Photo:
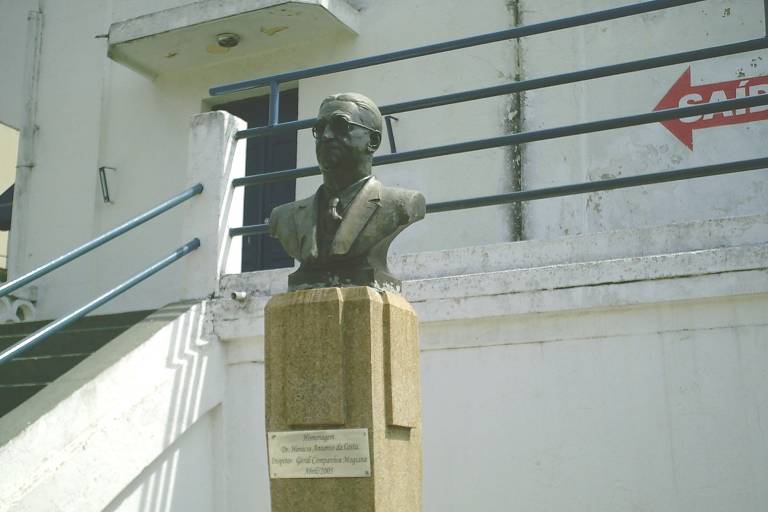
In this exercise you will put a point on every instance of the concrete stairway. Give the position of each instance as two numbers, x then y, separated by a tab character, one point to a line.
27	374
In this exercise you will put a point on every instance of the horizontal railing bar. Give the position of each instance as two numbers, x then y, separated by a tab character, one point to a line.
577	129
521	138
581	76
54	327
601	185
271	177
532	84
253	229
265	131
100	240
567	190
457	44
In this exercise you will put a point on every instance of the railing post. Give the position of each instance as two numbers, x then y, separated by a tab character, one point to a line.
274	103
214	159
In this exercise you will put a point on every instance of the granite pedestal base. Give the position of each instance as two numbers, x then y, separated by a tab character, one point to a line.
338	359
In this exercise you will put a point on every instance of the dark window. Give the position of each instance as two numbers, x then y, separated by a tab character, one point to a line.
266	154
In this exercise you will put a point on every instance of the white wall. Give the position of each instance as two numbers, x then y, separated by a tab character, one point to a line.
631	381
602	372
54	204
14	49
12	53
183	477
94	112
638	408
9	145
644	149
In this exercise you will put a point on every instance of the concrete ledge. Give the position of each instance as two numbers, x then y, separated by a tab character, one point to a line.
580	286
611	245
594	277
593	273
185	36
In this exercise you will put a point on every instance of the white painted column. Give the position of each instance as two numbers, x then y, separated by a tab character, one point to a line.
215	159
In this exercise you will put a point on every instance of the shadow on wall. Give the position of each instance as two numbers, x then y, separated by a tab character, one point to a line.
183	476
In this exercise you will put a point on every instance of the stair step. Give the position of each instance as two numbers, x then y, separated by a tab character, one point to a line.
99	327
25	370
13	396
28	373
89	322
67	341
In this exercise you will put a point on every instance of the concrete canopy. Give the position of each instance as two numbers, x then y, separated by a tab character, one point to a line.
185	36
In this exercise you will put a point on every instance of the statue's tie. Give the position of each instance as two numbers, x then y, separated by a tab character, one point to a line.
333	215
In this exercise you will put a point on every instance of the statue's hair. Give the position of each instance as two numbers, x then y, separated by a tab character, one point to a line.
363	102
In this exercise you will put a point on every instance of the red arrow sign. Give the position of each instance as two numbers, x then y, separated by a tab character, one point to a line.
684	94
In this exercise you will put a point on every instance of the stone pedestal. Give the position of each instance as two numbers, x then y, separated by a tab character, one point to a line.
338	359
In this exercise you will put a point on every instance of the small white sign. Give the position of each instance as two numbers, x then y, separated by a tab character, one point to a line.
340	453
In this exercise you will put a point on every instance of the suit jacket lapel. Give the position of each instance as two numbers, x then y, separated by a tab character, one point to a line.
363	206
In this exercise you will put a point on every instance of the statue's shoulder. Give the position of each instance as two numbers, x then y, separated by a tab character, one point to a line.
288	210
410	203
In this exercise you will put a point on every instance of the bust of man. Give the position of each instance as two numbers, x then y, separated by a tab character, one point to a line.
342	233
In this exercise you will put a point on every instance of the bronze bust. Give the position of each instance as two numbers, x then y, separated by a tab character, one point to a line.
342	233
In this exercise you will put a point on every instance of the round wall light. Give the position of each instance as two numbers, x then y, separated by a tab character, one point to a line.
228	40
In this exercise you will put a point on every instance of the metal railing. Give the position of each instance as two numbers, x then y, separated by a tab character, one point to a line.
533	84
56	326
100	240
457	44
273	127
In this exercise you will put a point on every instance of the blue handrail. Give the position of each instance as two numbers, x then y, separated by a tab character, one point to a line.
274	81
567	190
531	84
521	138
100	240
601	185
54	327
274	127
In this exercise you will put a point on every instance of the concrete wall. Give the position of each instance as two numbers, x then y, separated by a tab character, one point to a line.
13	98
636	408
644	149
94	112
616	381
9	144
611	370
12	55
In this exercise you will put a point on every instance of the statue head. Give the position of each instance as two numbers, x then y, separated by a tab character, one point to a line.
347	133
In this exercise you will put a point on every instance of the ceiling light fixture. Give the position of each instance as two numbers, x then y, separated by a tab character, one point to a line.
228	40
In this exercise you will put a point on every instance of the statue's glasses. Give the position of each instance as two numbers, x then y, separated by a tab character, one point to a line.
339	125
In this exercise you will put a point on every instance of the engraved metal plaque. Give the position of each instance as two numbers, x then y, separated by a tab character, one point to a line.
342	453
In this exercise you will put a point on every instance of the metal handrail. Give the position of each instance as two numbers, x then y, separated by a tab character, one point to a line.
531	84
567	190
514	33
54	327
100	240
601	185
520	138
